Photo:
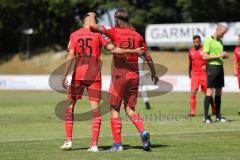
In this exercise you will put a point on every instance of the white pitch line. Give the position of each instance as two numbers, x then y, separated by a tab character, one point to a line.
123	135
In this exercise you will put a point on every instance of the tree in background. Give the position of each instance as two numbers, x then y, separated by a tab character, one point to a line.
53	20
209	10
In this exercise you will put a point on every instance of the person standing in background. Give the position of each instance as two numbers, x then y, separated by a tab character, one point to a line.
141	82
197	73
236	62
213	53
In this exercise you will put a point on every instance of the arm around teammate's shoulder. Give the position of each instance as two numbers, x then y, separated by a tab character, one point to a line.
97	28
116	50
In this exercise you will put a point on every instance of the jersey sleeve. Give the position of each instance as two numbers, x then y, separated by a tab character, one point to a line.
109	31
104	40
206	46
71	43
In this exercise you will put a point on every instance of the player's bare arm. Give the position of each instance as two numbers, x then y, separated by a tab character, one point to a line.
223	55
190	68
92	23
150	64
235	66
116	50
70	58
97	28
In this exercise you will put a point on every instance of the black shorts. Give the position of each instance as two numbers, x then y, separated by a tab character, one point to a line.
215	76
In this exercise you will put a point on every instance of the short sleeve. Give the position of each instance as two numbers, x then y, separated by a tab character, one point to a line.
206	46
104	40
110	31
71	43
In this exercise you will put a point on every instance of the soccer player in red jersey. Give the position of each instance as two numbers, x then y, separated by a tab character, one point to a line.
84	50
197	73
125	78
236	63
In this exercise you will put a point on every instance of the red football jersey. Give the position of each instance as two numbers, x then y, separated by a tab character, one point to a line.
237	55
198	63
125	38
87	46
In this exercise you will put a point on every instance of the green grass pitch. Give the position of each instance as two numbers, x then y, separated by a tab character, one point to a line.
30	130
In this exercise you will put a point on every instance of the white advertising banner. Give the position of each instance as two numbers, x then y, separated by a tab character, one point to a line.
24	82
181	33
180	83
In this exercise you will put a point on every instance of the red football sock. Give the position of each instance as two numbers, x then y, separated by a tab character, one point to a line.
96	124
68	122
193	104
116	129
138	122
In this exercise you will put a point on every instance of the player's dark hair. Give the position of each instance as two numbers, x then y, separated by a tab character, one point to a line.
122	19
196	37
86	15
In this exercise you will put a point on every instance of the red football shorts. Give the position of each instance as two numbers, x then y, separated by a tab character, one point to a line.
199	80
77	87
123	89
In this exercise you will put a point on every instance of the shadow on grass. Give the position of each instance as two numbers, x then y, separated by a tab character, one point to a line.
233	120
125	147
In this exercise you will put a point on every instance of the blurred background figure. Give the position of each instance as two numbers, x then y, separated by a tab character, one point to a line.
197	73
236	62
213	53
141	83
